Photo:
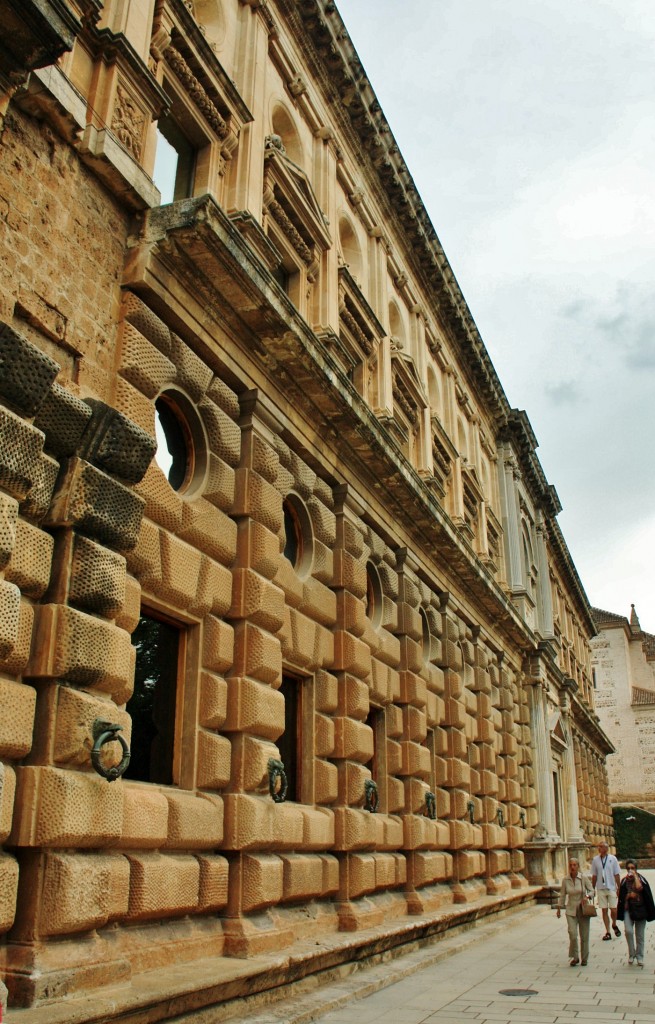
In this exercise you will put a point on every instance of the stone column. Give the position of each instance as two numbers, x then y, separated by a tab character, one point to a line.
247	170
508	472
545	604
571	809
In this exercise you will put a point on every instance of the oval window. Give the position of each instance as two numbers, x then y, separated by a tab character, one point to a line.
181	448
373	595
298	537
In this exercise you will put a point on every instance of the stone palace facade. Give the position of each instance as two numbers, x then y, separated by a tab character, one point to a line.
267	521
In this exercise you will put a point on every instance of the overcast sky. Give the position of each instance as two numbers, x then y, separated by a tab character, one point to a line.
529	129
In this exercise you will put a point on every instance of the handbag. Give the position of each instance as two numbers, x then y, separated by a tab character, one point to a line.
587	908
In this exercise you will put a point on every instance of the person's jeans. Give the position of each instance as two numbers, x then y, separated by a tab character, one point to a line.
634	930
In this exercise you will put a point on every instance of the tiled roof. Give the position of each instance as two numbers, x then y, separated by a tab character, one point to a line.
603	618
640	696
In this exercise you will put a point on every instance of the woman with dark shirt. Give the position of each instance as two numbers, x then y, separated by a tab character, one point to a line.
635	907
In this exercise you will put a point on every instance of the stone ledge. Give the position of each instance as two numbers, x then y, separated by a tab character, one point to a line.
219	986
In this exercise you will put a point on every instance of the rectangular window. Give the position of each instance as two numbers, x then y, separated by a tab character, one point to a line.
289	742
152	706
174	161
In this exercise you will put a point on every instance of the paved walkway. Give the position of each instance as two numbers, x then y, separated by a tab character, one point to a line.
461	980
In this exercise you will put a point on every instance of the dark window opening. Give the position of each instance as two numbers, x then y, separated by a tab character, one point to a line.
174	161
292	534
152	705
373	595
283	278
425	636
288	742
174	454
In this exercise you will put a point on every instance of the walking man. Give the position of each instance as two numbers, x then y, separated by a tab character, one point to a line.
605	877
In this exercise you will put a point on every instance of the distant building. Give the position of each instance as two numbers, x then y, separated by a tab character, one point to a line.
623	664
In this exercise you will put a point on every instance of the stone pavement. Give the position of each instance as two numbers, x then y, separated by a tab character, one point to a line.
461	980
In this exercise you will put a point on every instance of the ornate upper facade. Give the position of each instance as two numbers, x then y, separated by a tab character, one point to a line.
269	521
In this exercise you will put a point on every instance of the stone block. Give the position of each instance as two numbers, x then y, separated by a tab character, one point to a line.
214	873
9	618
180	570
144	560
82	891
318	828
458	773
161	503
351	613
97	578
8	891
84	650
63	418
145	817
326	782
73	733
257	498
209	529
20	455
223	433
263	458
257	653
26	373
259	548
7	794
415	759
192	373
350	573
457	745
302	876
18	703
249	821
323	736
254	707
162	885
323	564
326	691
413	689
37	502
142	364
214	760
8	524
214	592
60	808
31	558
262	882
97	505
220	483
194	821
250	757
223	396
352	740
217	644
257	599
324	523
469	864
357	875
287	579
148	323
130	613
353	828
351	654
213	700
115	444
133	403
461	835
14	664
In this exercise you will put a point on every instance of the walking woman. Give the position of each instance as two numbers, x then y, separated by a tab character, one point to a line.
635	907
575	890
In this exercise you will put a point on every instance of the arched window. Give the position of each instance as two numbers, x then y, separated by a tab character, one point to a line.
397	327
350	249
282	125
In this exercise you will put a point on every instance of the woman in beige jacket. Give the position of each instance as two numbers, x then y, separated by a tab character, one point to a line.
574	889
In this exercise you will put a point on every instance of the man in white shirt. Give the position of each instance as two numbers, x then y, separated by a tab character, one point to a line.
605	877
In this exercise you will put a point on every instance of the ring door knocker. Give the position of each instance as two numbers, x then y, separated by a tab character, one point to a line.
371	796
277	773
108	732
470	807
501	817
430	806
